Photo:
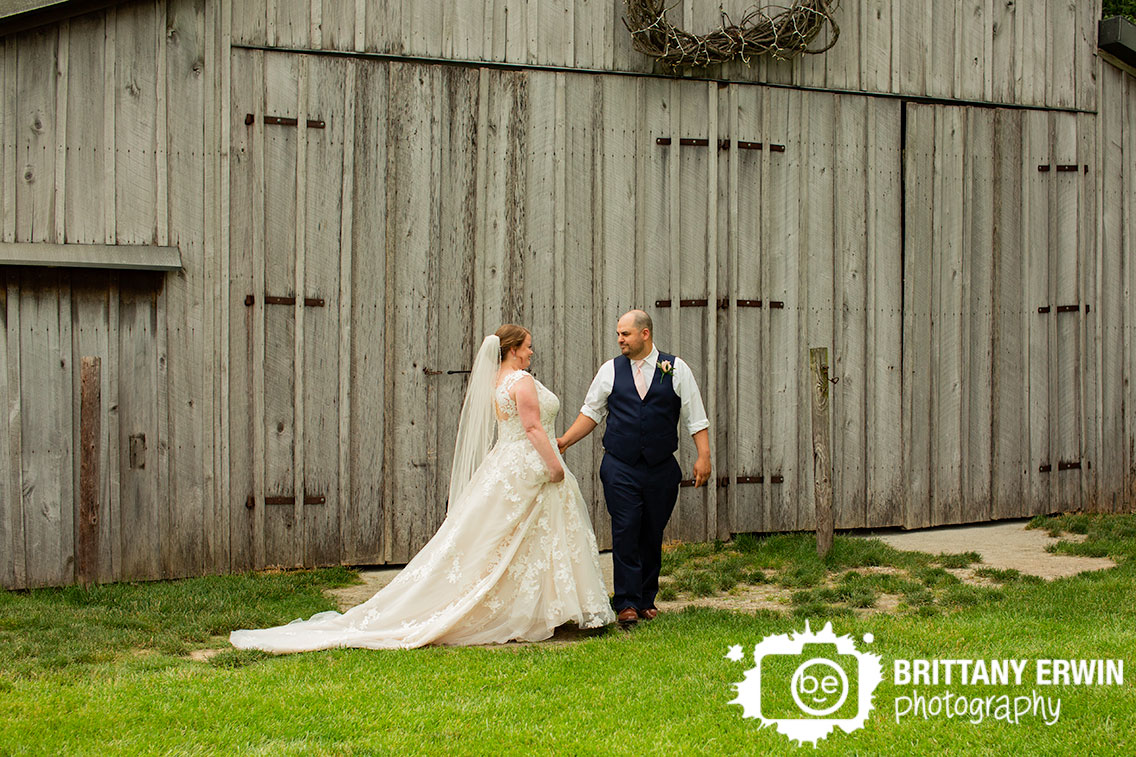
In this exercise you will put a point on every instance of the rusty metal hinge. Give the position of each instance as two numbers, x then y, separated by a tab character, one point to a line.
1069	465
1044	468
723	303
311	302
430	372
723	144
309	499
250	119
776	305
724	481
684	141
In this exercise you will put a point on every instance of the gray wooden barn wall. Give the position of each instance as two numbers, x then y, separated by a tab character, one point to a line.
434	192
999	381
1114	353
104	140
1033	52
438	201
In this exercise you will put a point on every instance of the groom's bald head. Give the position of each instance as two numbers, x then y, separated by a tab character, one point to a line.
635	332
640	320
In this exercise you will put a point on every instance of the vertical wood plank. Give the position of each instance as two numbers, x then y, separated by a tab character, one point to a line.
46	432
136	116
218	48
299	333
250	22
707	371
319	370
9	154
141	540
455	343
941	51
850	314
90	455
970	53
383	18
980	305
368	504
245	276
277	258
1066	288
11	445
1036	244
1085	67
1088	368
1128	244
110	142
189	365
315	24
91	337
346	253
1062	32
910	48
1011	453
844	69
337	23
822	461
62	82
877	46
747	364
1004	61
789	122
83	212
948	300
35	194
919	381
292	24
1113	271
408	165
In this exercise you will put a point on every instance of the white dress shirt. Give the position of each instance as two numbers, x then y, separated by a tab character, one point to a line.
692	416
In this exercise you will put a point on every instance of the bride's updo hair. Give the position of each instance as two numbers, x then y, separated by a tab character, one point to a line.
511	336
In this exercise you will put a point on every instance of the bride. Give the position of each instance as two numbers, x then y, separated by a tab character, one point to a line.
516	555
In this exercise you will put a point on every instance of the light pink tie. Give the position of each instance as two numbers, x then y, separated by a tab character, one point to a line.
640	379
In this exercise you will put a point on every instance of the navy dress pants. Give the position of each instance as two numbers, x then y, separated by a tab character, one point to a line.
640	499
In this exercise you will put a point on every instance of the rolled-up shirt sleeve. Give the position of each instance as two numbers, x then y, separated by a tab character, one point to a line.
595	401
692	416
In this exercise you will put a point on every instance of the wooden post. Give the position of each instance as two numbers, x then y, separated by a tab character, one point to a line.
822	453
90	413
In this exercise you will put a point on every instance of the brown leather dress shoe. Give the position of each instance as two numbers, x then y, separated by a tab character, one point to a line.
628	616
649	614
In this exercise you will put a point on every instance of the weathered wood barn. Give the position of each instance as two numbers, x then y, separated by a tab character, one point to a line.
282	226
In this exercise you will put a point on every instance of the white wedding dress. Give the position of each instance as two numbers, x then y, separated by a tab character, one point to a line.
515	558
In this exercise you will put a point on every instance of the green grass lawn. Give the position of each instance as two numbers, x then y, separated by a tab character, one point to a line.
107	670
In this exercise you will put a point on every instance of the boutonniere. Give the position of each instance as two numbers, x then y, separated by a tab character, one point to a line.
666	367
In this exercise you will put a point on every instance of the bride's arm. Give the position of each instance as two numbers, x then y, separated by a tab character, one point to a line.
528	407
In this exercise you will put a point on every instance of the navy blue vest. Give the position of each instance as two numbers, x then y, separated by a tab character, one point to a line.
642	428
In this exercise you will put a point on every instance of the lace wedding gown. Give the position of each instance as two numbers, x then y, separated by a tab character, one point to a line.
515	558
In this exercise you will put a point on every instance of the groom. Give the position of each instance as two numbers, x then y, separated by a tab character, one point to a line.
644	394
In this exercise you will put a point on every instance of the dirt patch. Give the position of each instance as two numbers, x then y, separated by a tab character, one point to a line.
744	597
1006	545
203	655
371	580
